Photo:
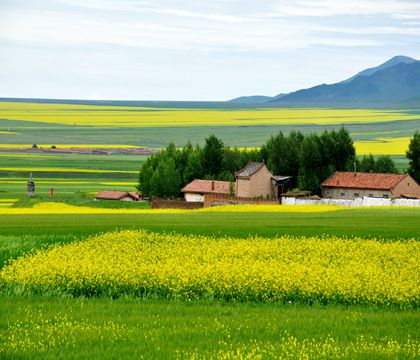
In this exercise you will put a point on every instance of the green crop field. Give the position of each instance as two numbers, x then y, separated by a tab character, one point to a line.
84	279
47	326
154	127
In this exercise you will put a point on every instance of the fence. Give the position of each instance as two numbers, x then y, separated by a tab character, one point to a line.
365	201
159	203
219	199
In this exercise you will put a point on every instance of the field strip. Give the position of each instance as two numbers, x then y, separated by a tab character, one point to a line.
325	270
383	146
10	133
61	169
72	146
88	115
61	208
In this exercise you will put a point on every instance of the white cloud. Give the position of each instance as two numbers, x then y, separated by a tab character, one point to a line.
324	8
171	43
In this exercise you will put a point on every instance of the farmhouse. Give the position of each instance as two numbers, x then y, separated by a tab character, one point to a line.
254	180
351	185
118	195
195	190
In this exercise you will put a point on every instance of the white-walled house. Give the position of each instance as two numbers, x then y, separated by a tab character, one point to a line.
196	189
352	185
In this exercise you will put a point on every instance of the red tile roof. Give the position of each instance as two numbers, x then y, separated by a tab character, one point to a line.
115	195
207	187
358	180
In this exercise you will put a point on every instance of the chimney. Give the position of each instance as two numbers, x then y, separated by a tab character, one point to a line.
212	185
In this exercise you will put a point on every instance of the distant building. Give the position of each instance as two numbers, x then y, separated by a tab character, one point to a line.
351	185
197	189
254	180
118	195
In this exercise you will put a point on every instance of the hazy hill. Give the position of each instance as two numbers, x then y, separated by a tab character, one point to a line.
391	62
391	85
255	99
393	82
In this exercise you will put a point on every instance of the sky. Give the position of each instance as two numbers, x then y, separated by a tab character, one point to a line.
195	50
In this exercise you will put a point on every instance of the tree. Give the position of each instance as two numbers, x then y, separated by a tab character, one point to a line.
281	154
413	155
213	156
310	164
344	152
384	164
367	164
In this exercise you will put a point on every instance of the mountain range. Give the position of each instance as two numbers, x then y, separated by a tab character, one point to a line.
396	81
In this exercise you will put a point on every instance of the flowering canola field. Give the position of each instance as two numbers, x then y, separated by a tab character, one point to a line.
285	269
137	116
62	208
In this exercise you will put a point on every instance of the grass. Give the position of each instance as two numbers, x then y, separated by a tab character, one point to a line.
56	327
42	230
65	328
156	329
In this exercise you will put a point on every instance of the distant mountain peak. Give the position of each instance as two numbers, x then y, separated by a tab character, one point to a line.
394	81
391	62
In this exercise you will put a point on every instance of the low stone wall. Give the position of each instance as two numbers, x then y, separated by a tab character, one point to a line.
159	203
216	200
365	201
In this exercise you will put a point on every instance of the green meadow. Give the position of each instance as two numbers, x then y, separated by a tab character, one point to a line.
155	127
47	326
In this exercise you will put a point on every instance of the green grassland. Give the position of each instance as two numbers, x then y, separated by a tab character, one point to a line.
157	329
77	186
155	127
55	327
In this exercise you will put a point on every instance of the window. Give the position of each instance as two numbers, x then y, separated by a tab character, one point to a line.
385	196
356	194
370	195
342	194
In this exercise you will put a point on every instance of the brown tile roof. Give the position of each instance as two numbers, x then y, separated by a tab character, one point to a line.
358	180
115	195
249	169
207	187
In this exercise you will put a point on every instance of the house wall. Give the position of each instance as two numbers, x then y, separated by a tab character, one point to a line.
258	185
243	188
191	197
261	183
366	201
350	194
406	186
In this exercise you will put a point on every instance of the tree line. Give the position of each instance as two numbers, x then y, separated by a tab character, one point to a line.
309	159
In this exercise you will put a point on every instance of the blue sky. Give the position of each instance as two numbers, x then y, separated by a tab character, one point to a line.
195	50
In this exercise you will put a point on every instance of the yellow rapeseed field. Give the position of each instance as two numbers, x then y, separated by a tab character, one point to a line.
383	146
285	269
62	208
62	169
68	146
133	116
